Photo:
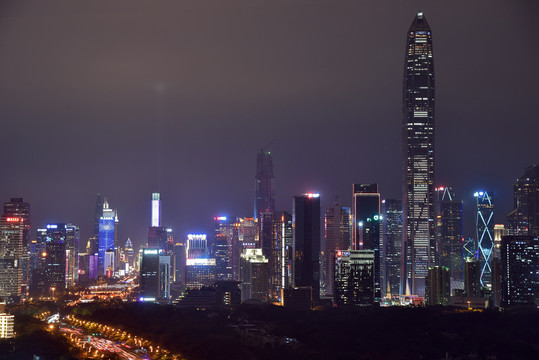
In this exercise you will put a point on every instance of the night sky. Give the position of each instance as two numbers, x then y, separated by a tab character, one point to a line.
130	97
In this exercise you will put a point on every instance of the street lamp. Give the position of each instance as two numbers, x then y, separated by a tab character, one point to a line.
52	290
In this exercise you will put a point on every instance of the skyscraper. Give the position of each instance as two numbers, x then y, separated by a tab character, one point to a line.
107	225
484	228
449	232
520	270
366	226
154	276
524	219
392	245
264	183
354	278
338	235
418	156
306	235
11	252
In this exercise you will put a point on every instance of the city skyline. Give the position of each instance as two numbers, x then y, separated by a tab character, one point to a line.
133	130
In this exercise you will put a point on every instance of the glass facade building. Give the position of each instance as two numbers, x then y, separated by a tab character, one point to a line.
418	156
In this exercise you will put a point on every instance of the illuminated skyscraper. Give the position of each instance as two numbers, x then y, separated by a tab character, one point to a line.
224	235
11	253
154	276
418	156
520	270
254	275
264	183
107	234
306	235
392	245
354	278
449	240
366	226
484	228
338	235
283	228
524	219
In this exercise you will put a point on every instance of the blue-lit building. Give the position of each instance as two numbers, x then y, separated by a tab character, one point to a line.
484	227
107	234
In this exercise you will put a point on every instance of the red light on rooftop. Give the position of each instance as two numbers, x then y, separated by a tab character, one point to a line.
339	253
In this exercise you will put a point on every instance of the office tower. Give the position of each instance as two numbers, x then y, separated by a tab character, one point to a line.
55	260
283	228
107	235
449	232
264	183
271	249
197	246
520	269
354	278
157	234
472	278
72	238
97	215
254	275
11	253
223	238
338	235
306	242
178	264
366	224
129	254
438	286
499	232
199	272
156	210
392	245
154	276
18	208
524	219
418	156
484	228
245	237
497	283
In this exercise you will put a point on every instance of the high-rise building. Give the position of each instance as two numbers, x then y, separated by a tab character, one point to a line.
6	323
484	228
338	236
18	208
418	156
472	278
254	275
154	276
438	286
224	236
56	263
107	235
264	183
354	278
392	245
271	249
245	237
11	253
366	226
520	270
197	246
306	242
524	219
449	233
199	272
283	228
157	234
499	232
72	237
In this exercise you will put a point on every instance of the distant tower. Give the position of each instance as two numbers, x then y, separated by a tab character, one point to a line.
107	223
157	234
264	183
524	219
338	235
449	232
306	235
366	226
392	244
418	156
484	228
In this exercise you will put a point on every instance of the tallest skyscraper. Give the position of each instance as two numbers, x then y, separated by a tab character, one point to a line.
418	157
